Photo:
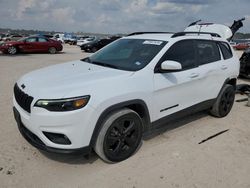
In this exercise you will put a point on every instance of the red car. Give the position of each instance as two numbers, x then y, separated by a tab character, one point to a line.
31	44
241	46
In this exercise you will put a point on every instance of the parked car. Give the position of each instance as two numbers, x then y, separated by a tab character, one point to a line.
2	36
245	64
241	46
128	89
70	38
97	44
31	44
12	37
86	40
59	37
233	44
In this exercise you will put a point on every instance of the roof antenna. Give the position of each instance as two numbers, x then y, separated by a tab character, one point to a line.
194	23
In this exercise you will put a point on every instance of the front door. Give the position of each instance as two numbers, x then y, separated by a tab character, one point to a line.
174	91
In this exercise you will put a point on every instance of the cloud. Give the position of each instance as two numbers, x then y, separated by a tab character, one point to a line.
63	15
166	8
23	5
118	16
194	2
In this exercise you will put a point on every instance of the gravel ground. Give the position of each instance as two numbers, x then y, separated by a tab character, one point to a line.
171	159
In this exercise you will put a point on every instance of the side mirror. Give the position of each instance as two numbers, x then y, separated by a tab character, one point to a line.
170	66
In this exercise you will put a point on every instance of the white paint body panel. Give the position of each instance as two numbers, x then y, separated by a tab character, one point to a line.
108	86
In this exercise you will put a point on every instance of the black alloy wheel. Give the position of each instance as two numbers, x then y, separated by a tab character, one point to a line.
120	136
227	101
224	101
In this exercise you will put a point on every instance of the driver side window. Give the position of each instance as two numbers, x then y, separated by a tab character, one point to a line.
182	52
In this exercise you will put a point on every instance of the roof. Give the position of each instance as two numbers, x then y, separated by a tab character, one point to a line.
172	36
152	36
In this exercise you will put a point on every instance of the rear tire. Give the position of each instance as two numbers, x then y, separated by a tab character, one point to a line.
120	136
224	102
52	50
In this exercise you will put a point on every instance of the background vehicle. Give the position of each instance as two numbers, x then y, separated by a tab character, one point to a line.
1	36
69	38
97	44
85	40
241	46
31	44
245	64
59	37
13	37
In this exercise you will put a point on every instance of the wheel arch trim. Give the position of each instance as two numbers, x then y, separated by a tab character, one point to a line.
125	104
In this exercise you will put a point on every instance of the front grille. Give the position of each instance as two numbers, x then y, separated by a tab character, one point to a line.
22	98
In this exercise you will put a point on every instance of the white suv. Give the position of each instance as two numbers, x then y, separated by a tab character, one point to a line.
133	86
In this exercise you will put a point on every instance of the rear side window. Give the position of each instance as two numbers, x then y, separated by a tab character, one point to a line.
226	50
207	52
182	52
42	40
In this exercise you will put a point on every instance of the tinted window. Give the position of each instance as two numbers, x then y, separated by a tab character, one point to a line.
31	40
225	49
42	40
182	52
207	52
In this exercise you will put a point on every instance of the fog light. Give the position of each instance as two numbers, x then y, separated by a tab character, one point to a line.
57	138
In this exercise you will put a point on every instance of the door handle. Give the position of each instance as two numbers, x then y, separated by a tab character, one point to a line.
194	75
224	67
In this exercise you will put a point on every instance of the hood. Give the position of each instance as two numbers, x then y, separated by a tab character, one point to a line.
60	81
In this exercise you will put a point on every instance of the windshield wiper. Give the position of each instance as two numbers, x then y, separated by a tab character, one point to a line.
88	60
104	64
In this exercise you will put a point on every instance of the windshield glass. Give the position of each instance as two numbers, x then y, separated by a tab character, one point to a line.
127	54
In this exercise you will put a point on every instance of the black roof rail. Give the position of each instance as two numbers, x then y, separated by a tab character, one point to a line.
140	33
192	32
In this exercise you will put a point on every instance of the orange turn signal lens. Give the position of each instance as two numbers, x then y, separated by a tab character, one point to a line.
80	103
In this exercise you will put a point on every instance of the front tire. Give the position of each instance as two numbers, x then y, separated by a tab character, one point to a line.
12	50
224	102
120	136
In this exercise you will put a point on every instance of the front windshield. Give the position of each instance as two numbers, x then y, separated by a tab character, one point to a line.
127	54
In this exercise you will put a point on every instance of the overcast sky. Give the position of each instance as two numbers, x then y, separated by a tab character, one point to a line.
119	16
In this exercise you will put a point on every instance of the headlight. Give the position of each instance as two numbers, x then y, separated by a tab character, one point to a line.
60	105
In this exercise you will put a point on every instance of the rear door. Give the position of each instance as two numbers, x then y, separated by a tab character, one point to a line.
211	67
42	44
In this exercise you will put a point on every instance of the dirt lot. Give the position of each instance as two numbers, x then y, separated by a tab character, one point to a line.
171	159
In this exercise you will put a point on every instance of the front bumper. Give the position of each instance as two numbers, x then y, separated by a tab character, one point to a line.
3	49
36	142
